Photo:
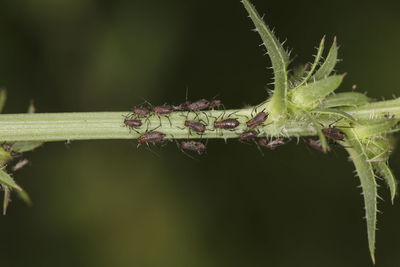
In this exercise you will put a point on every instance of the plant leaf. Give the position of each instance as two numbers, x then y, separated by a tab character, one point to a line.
3	98
25	146
316	61
309	96
22	194
383	169
377	149
374	127
6	199
5	179
351	99
279	59
368	184
329	64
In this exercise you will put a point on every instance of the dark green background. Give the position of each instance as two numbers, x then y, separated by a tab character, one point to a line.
105	203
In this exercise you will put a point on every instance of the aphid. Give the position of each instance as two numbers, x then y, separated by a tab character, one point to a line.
182	107
316	144
198	147
248	135
198	105
227	124
196	126
151	137
133	123
272	144
334	133
259	119
215	103
141	112
20	165
162	110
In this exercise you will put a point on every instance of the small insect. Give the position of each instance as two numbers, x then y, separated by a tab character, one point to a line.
196	126
20	165
198	147
141	112
259	119
275	143
198	105
334	133
162	110
182	107
316	144
215	103
133	123
151	137
248	135
227	124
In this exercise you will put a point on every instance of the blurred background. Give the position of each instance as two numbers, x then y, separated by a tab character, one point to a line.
105	203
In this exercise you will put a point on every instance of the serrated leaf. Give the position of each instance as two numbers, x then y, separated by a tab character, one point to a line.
372	128
5	179
318	128
346	99
383	169
25	146
335	112
316	61
368	184
279	59
3	98
329	63
309	96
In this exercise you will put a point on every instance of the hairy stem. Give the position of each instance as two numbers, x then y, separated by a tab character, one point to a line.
109	125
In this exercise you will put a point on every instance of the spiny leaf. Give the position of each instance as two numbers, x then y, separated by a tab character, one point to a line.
375	110
368	184
372	128
5	179
351	99
334	112
3	98
378	149
309	96
279	59
316	61
318	128
383	169
329	64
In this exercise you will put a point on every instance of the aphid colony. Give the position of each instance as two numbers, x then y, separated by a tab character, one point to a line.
140	115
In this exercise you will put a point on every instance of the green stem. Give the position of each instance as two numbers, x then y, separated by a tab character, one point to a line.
109	125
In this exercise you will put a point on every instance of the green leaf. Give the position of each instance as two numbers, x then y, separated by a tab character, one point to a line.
5	179
329	64
335	112
21	147
318	128
279	59
350	99
377	149
383	169
372	128
25	197
3	98
368	184
309	96
316	61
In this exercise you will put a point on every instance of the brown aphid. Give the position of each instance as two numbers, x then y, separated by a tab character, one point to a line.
215	103
334	133
259	119
316	144
133	123
198	105
196	126
248	135
272	144
141	112
198	147
165	109
151	137
227	124
182	107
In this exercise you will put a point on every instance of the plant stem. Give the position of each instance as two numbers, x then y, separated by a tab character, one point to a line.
109	125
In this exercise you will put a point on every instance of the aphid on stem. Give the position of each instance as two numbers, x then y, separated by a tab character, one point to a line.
198	127
259	119
227	124
249	135
194	146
